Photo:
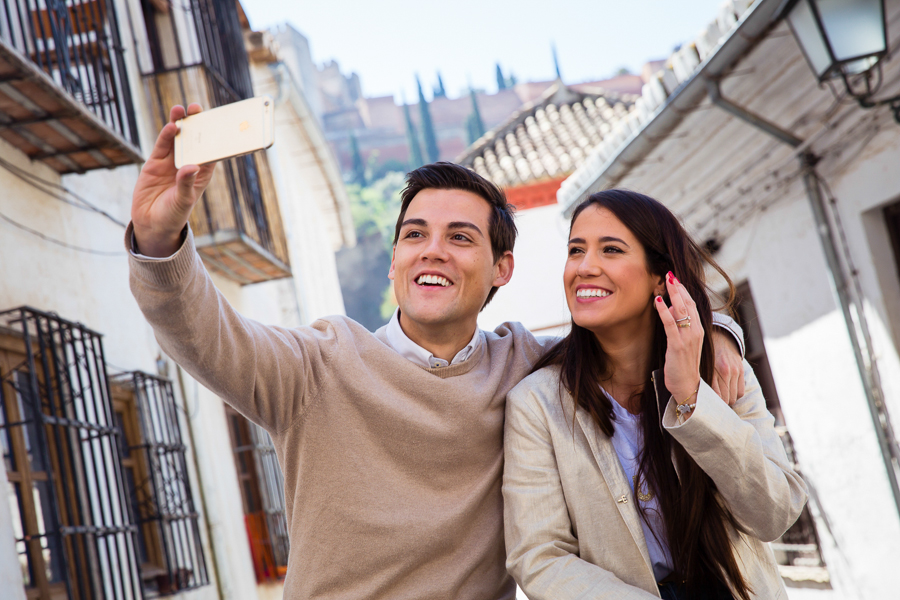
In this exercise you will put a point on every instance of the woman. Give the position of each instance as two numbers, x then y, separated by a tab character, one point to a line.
626	476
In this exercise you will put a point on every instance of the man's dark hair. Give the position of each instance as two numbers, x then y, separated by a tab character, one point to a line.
448	176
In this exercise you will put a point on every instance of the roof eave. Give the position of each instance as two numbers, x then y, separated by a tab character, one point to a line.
751	28
558	93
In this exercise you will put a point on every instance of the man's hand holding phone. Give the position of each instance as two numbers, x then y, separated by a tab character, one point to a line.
165	195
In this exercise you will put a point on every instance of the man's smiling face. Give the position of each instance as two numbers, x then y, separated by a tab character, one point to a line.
443	267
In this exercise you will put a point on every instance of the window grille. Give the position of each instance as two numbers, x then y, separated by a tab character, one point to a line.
799	546
237	225
77	44
155	468
262	492
745	311
74	533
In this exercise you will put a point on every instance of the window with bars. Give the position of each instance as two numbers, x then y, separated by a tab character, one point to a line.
262	492
75	537
799	546
892	219
99	493
154	465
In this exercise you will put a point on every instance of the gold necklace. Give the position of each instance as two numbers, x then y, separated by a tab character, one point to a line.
637	491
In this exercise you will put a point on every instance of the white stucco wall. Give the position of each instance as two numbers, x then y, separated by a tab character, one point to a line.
11	581
778	251
79	287
535	295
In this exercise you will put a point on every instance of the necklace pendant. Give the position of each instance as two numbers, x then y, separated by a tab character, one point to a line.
637	491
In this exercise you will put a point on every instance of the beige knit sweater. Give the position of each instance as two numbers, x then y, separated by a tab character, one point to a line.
392	471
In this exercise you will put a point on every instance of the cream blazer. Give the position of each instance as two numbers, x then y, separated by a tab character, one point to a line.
572	528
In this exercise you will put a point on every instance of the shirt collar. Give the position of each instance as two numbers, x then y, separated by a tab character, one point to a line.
410	350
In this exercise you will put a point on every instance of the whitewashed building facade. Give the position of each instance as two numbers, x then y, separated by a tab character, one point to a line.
122	476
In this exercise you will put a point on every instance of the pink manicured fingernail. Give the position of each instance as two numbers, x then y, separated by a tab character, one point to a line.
676	279
659	298
670	276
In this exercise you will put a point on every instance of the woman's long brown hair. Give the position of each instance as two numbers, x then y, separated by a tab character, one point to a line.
697	523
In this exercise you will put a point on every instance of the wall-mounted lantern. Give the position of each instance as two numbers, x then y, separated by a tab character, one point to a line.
845	39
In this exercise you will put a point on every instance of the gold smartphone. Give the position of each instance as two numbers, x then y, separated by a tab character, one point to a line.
227	131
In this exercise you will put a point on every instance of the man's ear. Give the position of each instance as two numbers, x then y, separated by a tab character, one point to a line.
503	270
393	255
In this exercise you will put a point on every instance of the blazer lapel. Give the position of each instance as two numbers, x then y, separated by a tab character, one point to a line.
611	469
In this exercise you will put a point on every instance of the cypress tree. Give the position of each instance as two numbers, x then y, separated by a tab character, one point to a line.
428	135
471	130
501	80
412	140
359	167
439	91
556	62
477	124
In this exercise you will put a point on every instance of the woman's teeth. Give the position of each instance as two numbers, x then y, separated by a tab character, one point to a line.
592	293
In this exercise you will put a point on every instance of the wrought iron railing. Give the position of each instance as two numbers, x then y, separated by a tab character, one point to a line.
237	226
262	490
240	204
213	36
271	484
162	499
67	440
77	44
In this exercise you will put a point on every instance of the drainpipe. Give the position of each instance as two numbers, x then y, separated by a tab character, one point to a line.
851	306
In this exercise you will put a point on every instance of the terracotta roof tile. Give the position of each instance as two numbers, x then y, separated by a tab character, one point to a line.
548	138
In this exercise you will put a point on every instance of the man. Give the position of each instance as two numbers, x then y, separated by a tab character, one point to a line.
391	444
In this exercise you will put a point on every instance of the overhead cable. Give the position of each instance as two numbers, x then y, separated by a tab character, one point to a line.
47	238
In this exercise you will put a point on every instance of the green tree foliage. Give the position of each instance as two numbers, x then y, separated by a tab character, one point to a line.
359	167
375	207
428	135
412	140
501	80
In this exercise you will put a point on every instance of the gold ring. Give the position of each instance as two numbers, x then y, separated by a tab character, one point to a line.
688	324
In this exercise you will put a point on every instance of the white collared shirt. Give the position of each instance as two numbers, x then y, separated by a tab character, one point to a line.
410	350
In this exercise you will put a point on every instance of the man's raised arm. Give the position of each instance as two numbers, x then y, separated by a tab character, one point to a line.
264	372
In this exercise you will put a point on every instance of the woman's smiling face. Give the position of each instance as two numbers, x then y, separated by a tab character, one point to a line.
608	285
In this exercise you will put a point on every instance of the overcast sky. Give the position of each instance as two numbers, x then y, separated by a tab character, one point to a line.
388	41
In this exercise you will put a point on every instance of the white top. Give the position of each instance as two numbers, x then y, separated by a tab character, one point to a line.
412	351
628	442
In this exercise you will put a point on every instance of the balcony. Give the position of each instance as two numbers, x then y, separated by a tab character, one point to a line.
64	95
237	223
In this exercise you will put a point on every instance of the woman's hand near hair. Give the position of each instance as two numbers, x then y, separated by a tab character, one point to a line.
684	342
164	195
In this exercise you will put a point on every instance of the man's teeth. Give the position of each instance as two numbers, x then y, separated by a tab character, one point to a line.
432	280
592	293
